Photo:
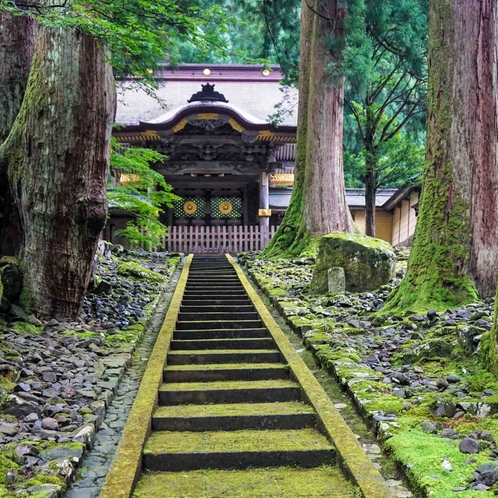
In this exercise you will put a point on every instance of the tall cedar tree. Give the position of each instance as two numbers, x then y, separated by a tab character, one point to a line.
455	248
318	203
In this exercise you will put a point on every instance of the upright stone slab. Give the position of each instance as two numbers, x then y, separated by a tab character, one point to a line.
368	262
336	280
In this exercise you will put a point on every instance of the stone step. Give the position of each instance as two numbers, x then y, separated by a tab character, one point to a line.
217	324
218	315
215	292
215	301
179	451
210	308
239	343
214	289
225	372
224	356
282	482
202	277
220	334
257	391
233	417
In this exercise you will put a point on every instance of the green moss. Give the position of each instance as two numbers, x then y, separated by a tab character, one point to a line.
42	478
26	328
236	409
422	454
6	464
7	384
235	441
234	384
136	270
256	483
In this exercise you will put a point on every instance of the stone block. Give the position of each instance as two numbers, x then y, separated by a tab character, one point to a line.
336	280
368	263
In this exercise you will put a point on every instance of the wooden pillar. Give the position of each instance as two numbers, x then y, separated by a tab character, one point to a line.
264	203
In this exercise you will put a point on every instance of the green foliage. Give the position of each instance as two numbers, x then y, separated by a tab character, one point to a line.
143	194
138	33
396	160
265	31
385	69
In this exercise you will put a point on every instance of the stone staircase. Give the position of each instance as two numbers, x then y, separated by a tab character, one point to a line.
231	421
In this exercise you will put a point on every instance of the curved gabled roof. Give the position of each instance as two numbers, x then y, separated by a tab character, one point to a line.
206	107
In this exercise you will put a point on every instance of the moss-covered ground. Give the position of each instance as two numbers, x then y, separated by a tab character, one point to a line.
361	346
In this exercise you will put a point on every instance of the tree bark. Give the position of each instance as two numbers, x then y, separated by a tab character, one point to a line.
286	234
325	208
57	158
455	249
370	191
318	203
17	44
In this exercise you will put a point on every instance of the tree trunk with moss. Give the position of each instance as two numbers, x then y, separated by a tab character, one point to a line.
17	43
455	249
318	203
286	234
57	158
325	209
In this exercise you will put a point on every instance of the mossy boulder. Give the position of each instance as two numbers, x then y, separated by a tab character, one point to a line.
368	262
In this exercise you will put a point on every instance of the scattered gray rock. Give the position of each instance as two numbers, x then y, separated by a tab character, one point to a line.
469	445
428	426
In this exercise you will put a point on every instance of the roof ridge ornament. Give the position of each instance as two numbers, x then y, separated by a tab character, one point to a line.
207	94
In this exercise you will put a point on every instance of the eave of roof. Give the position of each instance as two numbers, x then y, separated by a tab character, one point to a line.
242	120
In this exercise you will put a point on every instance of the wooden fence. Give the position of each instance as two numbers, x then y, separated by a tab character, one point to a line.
217	240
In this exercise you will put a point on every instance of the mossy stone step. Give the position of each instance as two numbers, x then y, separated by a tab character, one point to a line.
231	343
215	301
212	314
225	372
224	356
221	392
214	284
219	276
210	291
220	333
222	309
281	482
217	324
233	417
177	451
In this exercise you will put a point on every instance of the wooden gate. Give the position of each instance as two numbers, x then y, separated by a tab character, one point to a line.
217	240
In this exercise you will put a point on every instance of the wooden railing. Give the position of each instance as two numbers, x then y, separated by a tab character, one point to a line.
217	240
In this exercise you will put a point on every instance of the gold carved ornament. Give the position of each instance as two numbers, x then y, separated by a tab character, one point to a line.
190	207
226	207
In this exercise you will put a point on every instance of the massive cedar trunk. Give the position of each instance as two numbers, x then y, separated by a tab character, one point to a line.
57	159
17	43
456	239
325	208
318	203
286	234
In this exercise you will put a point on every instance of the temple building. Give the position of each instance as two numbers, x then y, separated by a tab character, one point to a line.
228	133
